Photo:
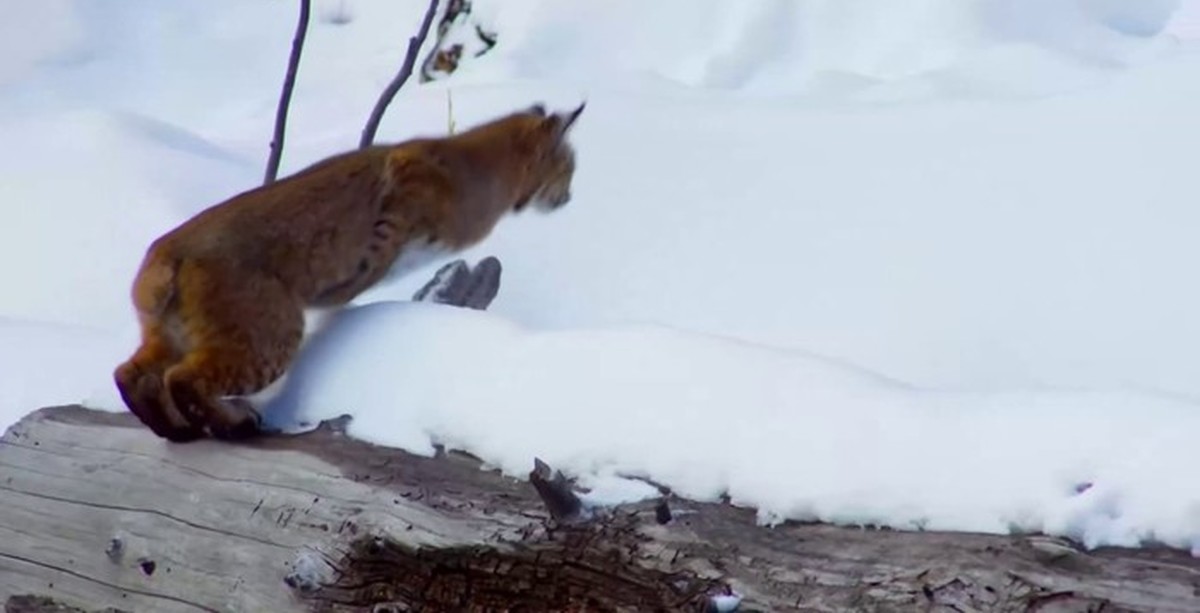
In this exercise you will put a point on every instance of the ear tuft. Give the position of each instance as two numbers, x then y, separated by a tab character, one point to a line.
570	118
562	122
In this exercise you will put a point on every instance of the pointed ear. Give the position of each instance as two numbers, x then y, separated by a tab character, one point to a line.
569	119
538	109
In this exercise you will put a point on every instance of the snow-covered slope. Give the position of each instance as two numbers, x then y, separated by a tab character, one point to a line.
921	263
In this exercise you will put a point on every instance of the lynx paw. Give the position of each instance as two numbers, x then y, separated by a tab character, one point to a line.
248	426
228	419
143	395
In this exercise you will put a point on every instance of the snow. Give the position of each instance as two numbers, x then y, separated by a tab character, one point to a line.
918	264
309	571
712	416
726	603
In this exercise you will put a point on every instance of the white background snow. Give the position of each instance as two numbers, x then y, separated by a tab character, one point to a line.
924	264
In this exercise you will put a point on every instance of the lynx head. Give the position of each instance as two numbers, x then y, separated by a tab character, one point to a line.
553	162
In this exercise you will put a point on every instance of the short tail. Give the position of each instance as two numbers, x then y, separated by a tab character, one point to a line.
154	286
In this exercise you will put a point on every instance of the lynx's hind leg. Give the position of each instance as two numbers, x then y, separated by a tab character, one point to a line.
243	330
139	380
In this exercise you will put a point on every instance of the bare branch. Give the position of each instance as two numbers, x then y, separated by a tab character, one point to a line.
410	60
285	96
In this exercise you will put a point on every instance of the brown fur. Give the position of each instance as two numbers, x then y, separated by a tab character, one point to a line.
220	298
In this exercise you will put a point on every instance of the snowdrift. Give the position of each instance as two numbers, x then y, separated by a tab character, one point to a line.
922	265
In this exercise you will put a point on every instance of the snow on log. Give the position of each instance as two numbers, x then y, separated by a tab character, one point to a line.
98	512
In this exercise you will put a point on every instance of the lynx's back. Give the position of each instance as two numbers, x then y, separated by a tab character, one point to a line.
303	229
220	298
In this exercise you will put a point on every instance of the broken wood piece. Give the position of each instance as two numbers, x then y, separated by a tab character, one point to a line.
26	603
555	492
458	284
662	512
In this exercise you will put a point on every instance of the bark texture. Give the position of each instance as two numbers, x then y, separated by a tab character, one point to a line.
98	512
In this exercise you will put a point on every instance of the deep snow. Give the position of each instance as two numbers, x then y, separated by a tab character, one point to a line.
922	264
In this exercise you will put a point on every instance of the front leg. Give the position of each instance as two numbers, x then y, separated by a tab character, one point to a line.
394	249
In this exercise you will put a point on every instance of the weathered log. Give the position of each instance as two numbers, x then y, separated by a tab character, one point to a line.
98	512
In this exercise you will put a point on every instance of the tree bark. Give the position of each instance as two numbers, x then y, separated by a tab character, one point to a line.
98	512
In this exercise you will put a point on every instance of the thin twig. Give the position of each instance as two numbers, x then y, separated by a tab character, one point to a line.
410	60
285	96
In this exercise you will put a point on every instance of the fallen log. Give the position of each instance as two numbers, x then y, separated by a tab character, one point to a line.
97	512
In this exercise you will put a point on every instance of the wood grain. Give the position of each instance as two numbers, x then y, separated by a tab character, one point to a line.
95	512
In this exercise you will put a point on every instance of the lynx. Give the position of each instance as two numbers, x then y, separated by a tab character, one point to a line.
221	298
